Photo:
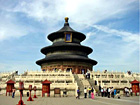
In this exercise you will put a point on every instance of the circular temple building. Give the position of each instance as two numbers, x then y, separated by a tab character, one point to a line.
66	52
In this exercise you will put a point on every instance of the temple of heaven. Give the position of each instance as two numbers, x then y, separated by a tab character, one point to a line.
66	52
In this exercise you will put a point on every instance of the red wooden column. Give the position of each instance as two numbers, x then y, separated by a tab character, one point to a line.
135	87
76	70
35	92
30	97
21	88
10	86
46	88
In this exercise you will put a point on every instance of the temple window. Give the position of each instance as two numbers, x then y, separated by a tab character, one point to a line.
68	37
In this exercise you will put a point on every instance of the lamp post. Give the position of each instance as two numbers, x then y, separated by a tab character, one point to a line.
30	89
35	92
21	87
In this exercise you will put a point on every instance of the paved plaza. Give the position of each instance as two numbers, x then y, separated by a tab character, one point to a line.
71	101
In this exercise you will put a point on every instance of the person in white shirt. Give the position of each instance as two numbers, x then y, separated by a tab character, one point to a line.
131	91
102	91
105	92
128	92
125	91
108	92
85	92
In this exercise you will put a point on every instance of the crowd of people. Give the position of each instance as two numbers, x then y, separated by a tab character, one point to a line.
88	92
128	91
109	92
104	92
87	75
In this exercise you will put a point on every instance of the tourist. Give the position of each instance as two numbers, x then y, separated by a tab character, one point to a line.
78	93
95	82
89	75
118	94
86	75
65	92
115	92
92	93
89	92
83	71
112	92
131	91
92	89
99	89
13	92
102	92
125	91
85	92
108	92
105	92
128	92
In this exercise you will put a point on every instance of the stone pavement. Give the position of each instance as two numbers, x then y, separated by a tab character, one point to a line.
71	101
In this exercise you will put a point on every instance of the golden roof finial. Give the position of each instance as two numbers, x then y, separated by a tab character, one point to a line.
66	19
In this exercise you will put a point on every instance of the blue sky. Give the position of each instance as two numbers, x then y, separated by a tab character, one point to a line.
111	28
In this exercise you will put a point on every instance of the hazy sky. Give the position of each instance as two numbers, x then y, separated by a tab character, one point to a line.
111	28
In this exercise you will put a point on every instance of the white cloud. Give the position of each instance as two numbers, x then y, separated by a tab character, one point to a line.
10	28
52	12
90	11
89	34
127	36
122	52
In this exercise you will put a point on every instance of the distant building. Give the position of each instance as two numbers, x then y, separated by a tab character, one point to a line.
66	52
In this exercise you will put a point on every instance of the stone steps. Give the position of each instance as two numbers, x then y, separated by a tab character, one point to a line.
92	83
79	83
